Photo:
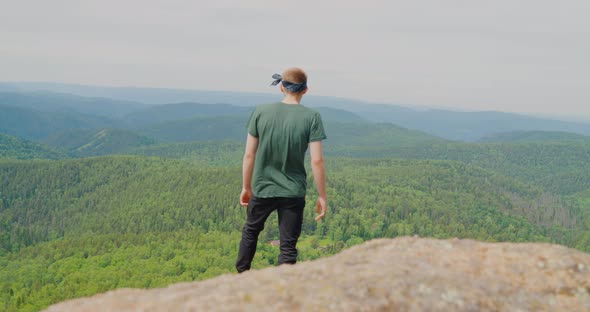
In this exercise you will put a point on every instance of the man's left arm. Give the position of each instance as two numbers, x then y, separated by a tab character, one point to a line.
247	168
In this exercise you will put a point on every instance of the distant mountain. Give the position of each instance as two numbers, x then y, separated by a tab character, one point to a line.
35	125
69	139
5	87
376	134
45	101
17	148
198	129
169	112
234	128
331	114
193	139
466	126
454	125
149	95
168	95
534	136
84	142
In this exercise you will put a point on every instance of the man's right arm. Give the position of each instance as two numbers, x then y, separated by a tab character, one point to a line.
319	174
247	168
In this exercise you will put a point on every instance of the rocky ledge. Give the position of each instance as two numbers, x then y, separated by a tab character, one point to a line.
402	274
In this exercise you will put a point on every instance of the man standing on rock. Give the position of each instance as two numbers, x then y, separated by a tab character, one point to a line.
273	171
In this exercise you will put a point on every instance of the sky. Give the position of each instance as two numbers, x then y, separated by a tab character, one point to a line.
506	55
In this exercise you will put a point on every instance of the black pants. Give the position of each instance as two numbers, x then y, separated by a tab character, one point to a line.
290	212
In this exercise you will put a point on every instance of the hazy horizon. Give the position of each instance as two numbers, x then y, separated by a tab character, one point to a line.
523	57
564	117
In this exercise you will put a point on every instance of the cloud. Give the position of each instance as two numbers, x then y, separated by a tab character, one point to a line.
527	55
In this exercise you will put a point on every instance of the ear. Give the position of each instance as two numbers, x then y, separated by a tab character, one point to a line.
282	88
305	91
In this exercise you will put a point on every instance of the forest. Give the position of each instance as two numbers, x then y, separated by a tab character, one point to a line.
117	193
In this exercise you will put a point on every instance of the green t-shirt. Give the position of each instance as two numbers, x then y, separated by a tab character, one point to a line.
284	132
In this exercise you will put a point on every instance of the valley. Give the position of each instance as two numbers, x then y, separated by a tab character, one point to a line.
99	191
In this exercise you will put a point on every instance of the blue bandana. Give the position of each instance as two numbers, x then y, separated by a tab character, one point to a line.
292	87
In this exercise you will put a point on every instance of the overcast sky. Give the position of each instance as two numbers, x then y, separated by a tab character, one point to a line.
507	55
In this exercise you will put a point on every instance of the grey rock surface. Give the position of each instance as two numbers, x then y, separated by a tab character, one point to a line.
402	274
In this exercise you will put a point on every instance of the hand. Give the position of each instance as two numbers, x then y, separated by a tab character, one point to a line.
245	197
321	208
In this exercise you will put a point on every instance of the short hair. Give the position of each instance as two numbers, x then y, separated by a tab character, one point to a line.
295	75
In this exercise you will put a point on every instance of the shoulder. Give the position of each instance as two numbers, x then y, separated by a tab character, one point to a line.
261	110
311	112
265	107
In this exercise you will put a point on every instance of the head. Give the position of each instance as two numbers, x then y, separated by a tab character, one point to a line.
294	75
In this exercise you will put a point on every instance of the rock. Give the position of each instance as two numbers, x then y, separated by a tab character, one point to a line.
402	274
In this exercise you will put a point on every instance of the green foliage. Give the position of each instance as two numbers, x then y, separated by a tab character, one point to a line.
233	128
178	111
198	129
77	227
559	168
51	272
84	143
53	102
39	276
562	168
48	200
36	125
442	199
168	212
218	153
169	112
582	201
16	148
366	134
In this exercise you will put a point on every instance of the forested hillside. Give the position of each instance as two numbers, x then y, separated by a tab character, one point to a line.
53	102
449	124
561	168
37	125
234	128
177	111
100	216
16	148
161	206
169	112
84	142
198	129
226	152
135	194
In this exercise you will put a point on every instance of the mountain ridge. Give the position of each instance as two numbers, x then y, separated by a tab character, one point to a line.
12	147
453	125
534	137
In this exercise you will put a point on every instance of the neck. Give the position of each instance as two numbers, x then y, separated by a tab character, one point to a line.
292	99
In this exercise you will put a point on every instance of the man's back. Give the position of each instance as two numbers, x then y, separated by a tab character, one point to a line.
273	172
284	132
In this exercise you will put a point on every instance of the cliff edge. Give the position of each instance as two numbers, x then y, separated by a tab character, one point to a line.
401	274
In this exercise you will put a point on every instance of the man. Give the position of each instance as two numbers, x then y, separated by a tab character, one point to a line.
273	172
